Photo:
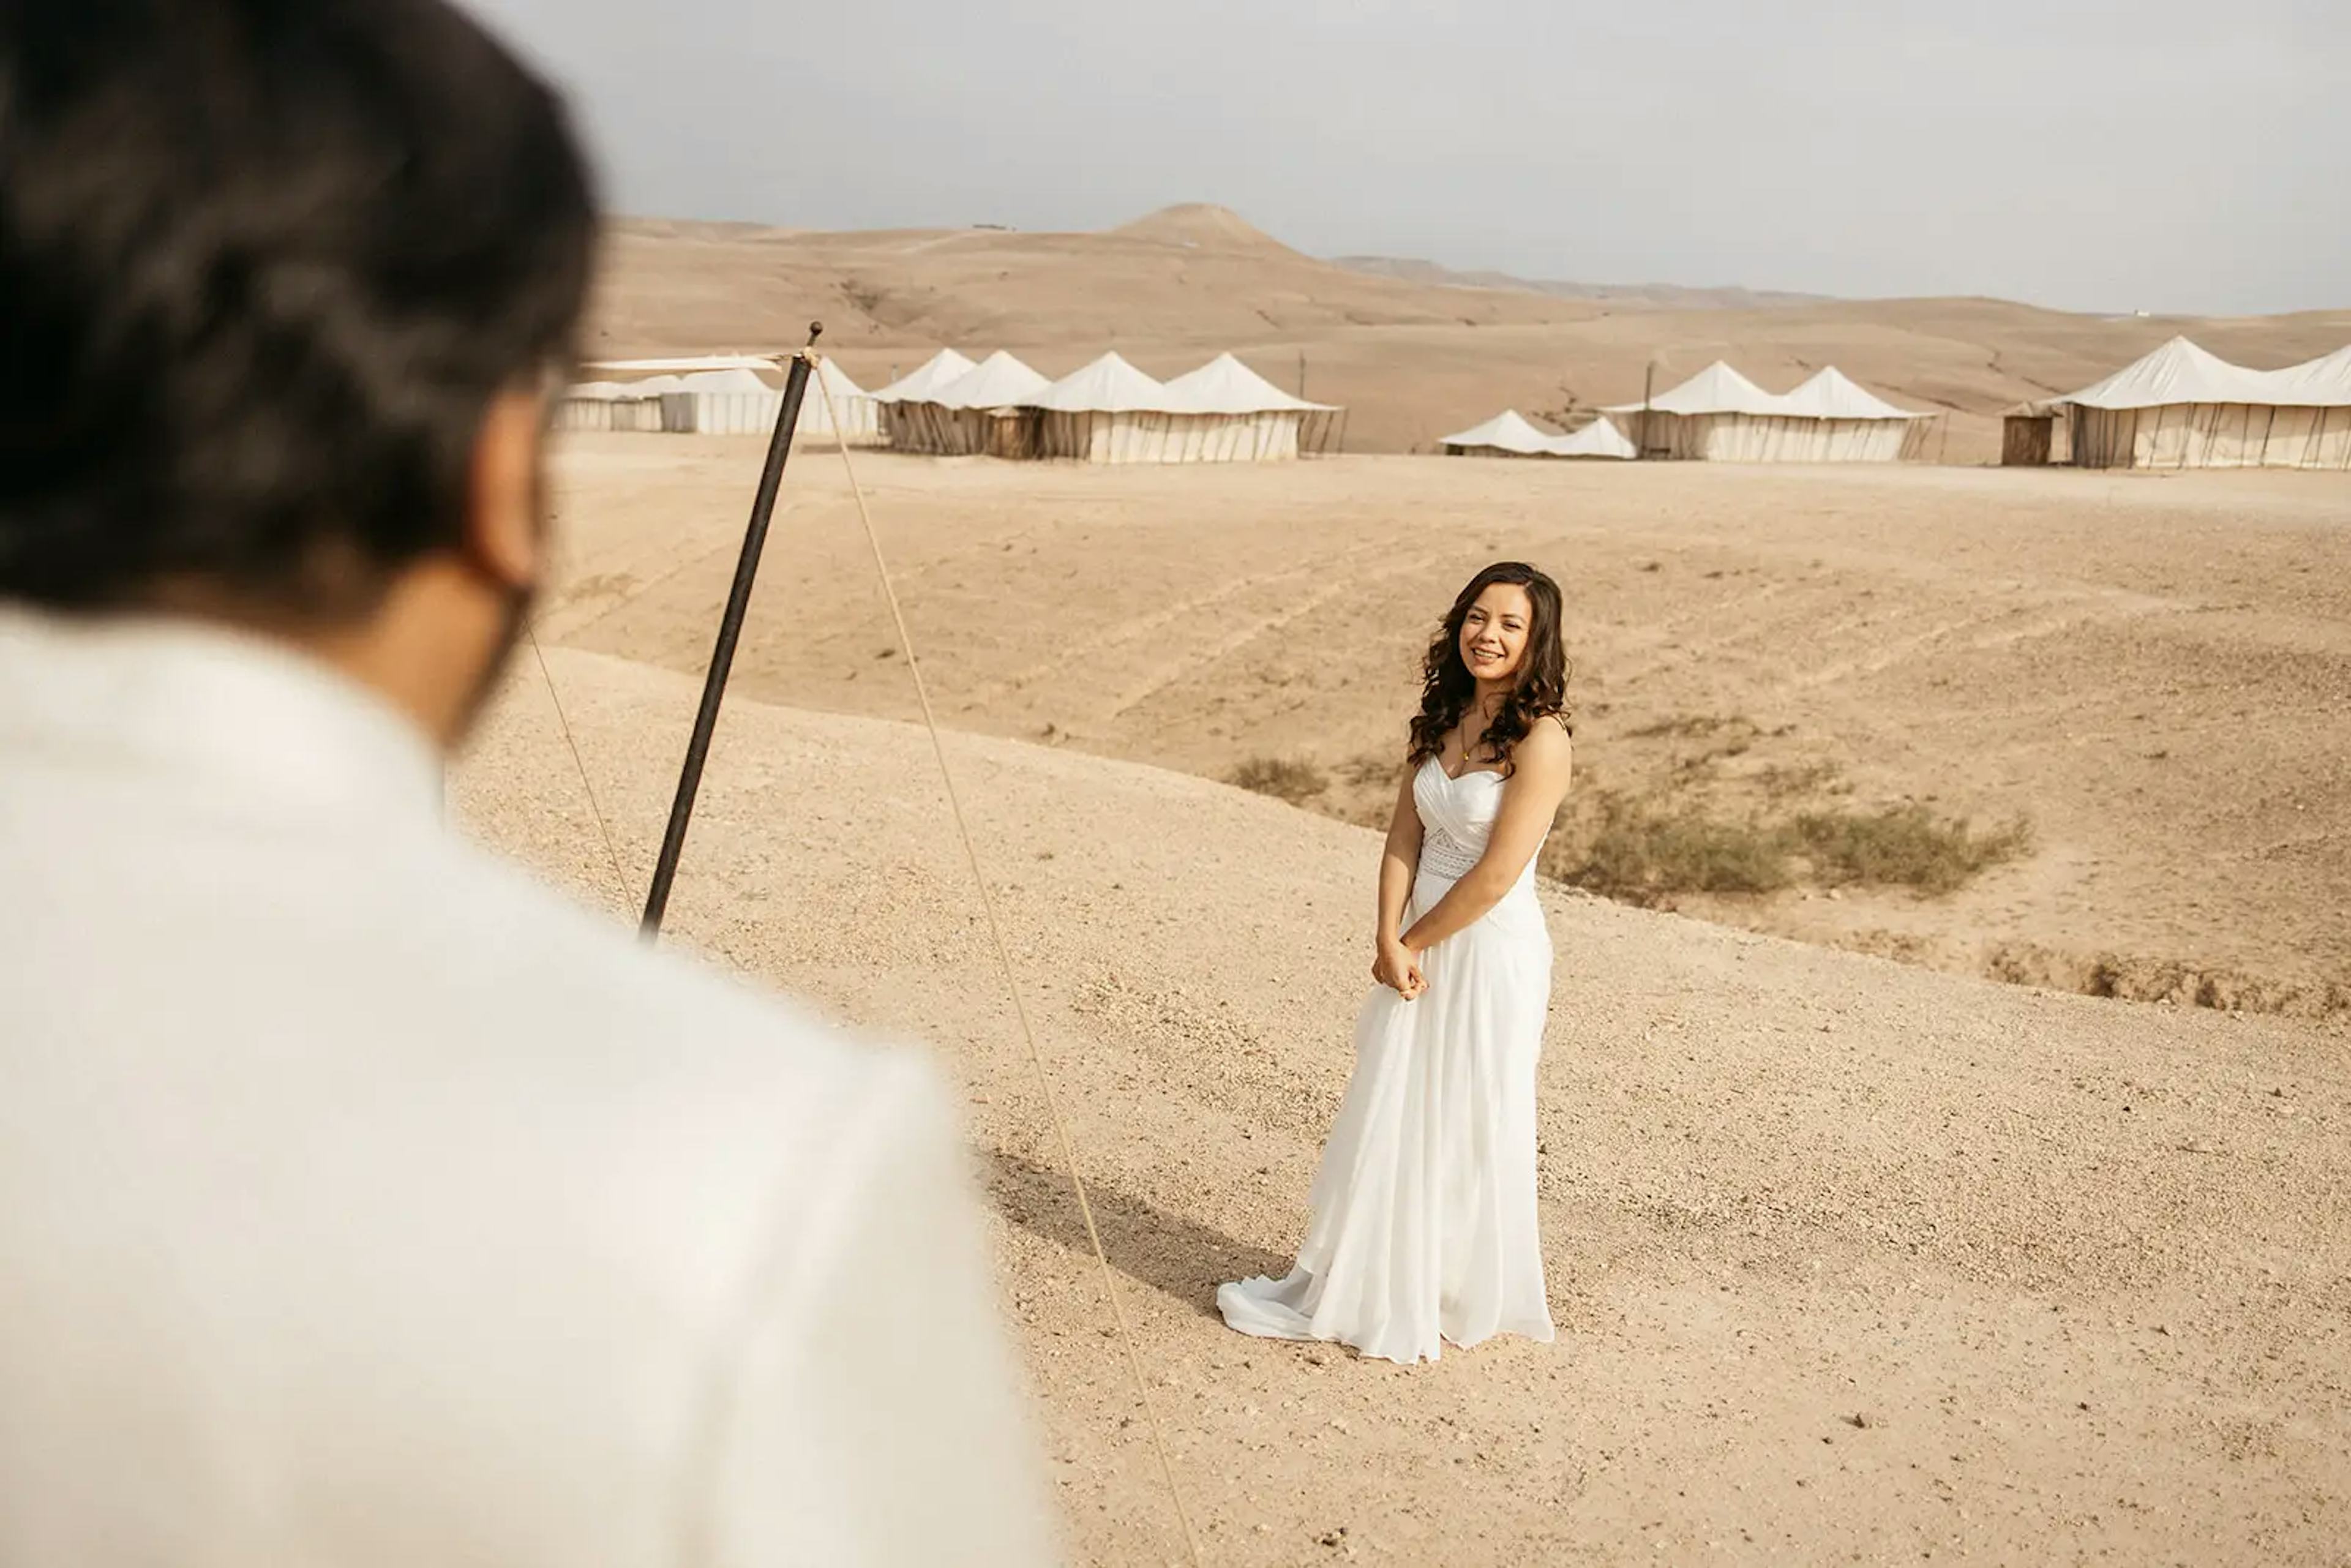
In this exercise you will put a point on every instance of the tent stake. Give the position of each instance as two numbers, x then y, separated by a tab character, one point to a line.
731	629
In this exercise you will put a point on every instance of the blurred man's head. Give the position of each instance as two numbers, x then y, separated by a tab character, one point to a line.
284	285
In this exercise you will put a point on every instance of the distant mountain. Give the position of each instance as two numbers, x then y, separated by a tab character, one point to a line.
1201	225
1655	296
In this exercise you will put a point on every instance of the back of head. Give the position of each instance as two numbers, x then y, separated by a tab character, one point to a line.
264	266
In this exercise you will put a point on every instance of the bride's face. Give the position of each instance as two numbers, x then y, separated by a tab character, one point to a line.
1494	633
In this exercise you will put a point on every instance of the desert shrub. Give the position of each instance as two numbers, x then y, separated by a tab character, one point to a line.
1640	854
1784	782
1291	778
1902	846
1687	726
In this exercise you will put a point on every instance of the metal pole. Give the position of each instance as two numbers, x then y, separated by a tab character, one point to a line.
730	629
1302	375
1648	387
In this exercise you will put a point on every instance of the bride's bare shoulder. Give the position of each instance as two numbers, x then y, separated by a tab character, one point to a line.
1546	746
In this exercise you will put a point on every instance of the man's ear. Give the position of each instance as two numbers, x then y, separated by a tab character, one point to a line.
505	535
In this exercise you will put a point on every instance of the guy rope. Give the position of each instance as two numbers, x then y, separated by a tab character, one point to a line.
805	365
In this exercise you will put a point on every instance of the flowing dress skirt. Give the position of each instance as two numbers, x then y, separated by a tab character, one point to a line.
1423	1227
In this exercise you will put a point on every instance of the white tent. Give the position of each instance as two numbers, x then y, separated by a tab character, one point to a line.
926	378
2182	407
1109	412
1505	434
1719	415
717	394
2323	383
1716	389
1508	434
1243	417
614	405
860	416
977	413
1601	438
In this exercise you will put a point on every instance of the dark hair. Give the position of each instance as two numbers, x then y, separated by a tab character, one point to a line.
264	266
1447	686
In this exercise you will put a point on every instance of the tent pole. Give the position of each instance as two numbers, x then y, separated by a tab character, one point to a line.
1648	390
731	629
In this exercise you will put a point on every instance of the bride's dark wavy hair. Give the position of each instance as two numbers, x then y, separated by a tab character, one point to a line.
1447	686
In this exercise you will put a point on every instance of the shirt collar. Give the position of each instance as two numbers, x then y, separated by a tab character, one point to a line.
247	714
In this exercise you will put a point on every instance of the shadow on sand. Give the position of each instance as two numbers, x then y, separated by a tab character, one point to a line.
1175	1256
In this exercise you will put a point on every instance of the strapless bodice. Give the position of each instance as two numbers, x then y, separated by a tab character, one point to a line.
1457	817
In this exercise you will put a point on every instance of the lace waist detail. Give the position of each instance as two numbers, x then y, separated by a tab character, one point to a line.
1442	855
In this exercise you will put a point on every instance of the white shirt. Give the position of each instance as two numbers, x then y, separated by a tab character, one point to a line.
364	1204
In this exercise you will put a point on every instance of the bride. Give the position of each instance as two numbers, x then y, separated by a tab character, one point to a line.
1422	1214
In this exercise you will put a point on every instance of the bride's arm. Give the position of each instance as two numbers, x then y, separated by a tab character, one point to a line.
1539	766
1399	863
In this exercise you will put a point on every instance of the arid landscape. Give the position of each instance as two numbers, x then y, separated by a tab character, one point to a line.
1411	358
1944	1116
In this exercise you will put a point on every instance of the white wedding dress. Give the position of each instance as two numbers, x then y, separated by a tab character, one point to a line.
1423	1227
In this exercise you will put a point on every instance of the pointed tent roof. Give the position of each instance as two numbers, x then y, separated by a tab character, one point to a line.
837	382
2179	371
1718	389
1224	385
1832	394
1110	385
737	379
2323	383
1506	431
1599	439
999	381
925	379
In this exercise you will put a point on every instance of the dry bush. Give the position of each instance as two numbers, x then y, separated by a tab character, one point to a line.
1783	781
1902	846
1291	778
1688	725
1639	854
1644	853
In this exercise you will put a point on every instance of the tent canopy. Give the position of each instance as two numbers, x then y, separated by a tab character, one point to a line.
2182	373
999	381
739	379
2179	371
919	384
1832	394
1111	385
1601	438
1507	431
1224	385
1718	389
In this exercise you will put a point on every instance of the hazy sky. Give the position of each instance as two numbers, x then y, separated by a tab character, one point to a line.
2165	155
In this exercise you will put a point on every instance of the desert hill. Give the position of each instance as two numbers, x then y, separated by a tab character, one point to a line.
1413	358
2150	671
1665	296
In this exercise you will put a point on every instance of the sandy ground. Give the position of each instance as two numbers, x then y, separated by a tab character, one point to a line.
2154	670
1413	360
1852	1260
